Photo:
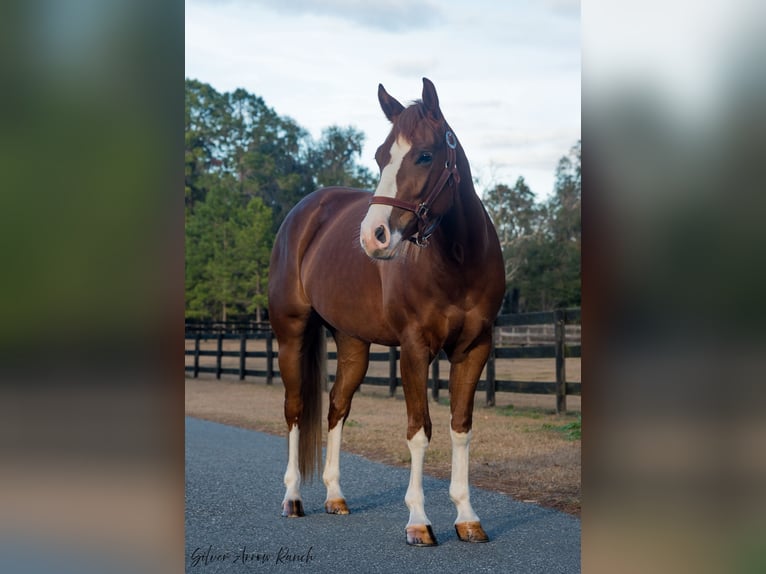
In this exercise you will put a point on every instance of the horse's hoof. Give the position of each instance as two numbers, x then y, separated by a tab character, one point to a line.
471	532
421	535
292	509
336	506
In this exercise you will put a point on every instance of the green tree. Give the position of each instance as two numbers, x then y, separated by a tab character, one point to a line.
253	241
268	154
565	231
237	134
228	242
541	242
333	159
210	232
204	118
518	220
245	168
564	205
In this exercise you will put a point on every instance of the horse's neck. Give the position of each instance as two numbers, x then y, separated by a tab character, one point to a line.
465	225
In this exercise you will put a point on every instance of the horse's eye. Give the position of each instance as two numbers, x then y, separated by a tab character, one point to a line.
424	158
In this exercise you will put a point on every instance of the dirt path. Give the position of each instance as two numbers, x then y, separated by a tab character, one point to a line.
520	447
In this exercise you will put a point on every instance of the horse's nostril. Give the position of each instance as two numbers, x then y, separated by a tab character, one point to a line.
380	234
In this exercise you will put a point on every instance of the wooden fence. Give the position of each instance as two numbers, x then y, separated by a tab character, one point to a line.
565	324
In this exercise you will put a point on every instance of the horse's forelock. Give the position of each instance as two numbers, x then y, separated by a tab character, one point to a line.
413	120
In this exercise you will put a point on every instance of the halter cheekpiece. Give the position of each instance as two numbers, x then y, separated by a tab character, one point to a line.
427	224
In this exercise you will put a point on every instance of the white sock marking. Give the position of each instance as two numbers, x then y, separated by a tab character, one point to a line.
292	474
415	498
331	474
458	489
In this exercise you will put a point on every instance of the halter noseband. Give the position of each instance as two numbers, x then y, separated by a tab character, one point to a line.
422	210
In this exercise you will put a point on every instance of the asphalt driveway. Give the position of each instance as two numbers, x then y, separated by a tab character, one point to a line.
234	491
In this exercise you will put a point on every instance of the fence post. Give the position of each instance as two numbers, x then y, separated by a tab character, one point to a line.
491	378
269	356
435	378
218	356
196	354
392	371
561	378
242	354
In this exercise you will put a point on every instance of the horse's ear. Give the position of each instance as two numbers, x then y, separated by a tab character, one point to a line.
431	100
390	105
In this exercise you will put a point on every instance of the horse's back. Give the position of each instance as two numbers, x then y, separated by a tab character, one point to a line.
313	210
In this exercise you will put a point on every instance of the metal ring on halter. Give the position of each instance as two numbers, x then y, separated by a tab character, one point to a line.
451	139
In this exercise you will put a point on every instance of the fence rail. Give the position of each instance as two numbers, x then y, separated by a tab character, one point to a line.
556	348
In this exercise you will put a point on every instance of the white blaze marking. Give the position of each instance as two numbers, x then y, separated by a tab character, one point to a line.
292	474
458	489
378	215
331	475
387	184
414	498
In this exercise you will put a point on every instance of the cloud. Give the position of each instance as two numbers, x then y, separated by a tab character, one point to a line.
566	8
528	138
389	16
507	74
412	68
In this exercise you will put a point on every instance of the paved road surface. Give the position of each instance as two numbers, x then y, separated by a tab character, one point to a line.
233	495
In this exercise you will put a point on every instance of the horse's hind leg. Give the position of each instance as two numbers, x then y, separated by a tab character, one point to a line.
353	358
299	369
290	372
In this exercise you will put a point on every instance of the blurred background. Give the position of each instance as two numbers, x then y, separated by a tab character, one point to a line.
674	143
91	297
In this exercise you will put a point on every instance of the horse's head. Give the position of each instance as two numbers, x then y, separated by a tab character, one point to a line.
418	175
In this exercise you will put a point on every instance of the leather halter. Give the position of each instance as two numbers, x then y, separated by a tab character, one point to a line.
422	210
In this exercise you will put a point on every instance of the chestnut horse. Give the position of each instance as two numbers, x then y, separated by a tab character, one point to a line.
416	264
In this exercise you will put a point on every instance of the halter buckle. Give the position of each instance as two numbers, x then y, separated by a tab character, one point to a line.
422	211
451	139
420	241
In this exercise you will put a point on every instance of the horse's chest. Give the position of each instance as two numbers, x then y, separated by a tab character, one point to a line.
438	322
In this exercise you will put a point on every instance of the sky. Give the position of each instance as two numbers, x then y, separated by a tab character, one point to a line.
507	73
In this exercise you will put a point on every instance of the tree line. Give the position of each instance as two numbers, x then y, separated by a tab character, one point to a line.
246	166
541	241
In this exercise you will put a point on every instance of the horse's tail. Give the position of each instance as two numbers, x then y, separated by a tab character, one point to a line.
310	425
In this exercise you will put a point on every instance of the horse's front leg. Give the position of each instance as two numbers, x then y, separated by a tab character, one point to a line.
464	376
414	368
